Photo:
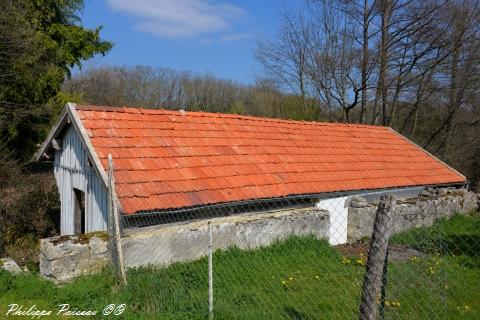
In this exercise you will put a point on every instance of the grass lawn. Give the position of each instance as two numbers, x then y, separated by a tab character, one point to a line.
300	278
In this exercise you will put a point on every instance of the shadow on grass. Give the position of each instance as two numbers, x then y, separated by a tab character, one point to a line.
463	244
294	314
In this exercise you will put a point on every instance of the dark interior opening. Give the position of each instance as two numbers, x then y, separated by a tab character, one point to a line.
79	211
146	219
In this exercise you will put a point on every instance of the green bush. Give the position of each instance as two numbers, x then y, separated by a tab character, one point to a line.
29	205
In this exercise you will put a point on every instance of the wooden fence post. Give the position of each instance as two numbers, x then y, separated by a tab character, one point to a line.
114	229
376	258
111	228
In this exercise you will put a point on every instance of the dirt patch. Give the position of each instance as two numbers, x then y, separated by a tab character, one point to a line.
349	250
395	252
403	253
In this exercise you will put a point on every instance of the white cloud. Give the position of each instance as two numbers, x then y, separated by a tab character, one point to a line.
179	18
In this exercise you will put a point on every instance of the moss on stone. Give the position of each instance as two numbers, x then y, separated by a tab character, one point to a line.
82	238
85	238
60	239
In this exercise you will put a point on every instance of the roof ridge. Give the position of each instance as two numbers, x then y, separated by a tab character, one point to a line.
147	111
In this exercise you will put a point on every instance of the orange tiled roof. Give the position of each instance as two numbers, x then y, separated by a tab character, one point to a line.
164	159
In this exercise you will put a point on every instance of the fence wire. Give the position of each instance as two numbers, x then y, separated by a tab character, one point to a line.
303	257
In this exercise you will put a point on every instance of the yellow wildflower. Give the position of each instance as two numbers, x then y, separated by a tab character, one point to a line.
361	262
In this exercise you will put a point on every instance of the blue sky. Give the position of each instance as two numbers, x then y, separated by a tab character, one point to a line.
202	36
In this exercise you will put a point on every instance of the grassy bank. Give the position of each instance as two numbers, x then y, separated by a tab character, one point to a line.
301	278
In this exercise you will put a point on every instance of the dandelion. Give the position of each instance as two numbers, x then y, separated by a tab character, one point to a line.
317	277
463	308
290	278
284	282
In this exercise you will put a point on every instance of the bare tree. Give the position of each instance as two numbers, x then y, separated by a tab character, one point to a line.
333	67
460	72
284	58
360	15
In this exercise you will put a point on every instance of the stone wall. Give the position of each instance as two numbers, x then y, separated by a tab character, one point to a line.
64	258
162	245
411	212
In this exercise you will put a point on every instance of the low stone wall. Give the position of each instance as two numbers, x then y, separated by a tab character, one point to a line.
162	245
411	212
64	258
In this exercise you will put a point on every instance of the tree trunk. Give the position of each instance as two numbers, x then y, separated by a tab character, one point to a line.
364	61
386	7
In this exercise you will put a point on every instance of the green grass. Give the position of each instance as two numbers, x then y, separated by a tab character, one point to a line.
448	278
300	278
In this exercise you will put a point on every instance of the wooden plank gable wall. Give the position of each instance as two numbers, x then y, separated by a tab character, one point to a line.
72	171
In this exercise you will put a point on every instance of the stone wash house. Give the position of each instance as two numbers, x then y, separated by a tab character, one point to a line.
166	161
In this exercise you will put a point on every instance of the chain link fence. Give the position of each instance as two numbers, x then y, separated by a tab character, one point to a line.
307	257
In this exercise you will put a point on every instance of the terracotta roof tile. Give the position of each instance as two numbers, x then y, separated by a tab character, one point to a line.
166	160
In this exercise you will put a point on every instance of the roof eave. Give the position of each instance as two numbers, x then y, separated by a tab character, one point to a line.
317	196
78	124
69	115
62	120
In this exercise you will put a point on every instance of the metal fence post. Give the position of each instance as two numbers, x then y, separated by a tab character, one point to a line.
210	272
384	286
376	258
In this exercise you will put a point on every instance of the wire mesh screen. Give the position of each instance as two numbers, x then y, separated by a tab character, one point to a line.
434	269
303	257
